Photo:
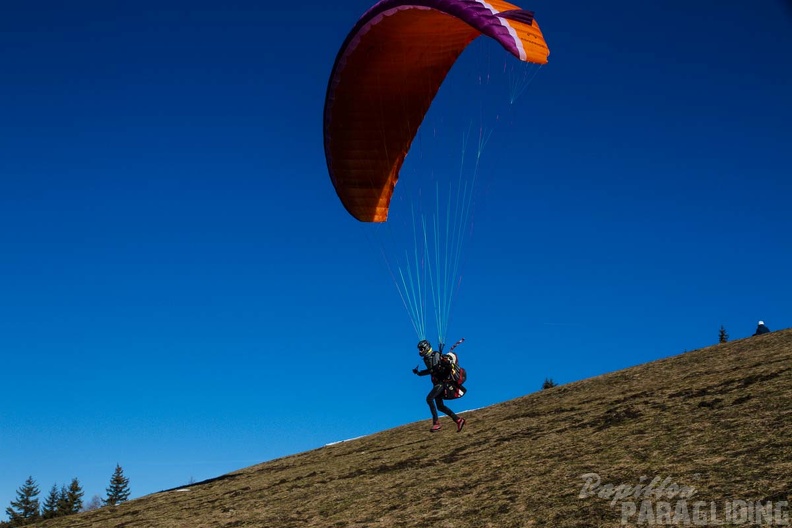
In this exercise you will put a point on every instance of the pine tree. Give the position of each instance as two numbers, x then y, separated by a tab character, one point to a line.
50	507
549	384
25	510
71	498
722	335
118	491
63	502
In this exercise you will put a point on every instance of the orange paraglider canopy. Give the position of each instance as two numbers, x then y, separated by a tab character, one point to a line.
385	77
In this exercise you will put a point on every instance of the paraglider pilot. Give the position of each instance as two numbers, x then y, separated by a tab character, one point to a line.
440	372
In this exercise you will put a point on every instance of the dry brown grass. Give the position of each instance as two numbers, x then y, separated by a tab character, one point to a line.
718	419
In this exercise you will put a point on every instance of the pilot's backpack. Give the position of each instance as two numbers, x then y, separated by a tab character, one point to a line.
453	388
458	374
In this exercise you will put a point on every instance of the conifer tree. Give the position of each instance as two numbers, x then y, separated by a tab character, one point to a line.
63	506
25	510
50	507
118	491
549	384
71	498
723	337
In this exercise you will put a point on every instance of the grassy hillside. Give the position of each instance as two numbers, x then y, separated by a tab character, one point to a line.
717	419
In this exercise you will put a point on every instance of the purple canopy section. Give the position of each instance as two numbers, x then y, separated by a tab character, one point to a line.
473	12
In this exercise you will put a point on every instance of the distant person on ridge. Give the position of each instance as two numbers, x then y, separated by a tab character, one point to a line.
761	329
441	375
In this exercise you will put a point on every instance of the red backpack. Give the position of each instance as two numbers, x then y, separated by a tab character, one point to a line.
458	374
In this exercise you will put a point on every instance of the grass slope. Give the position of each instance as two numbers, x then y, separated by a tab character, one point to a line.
717	419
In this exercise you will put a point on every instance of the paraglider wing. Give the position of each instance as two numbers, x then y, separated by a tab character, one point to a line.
385	77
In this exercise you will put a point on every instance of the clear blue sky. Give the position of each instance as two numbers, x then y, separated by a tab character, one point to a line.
182	293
